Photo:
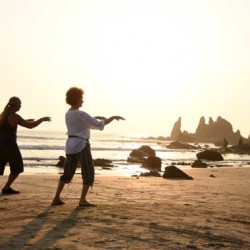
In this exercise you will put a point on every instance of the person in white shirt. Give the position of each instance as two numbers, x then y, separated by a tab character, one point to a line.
79	124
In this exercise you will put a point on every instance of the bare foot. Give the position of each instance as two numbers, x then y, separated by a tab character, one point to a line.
57	202
86	204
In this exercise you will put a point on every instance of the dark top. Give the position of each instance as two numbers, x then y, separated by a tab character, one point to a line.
7	134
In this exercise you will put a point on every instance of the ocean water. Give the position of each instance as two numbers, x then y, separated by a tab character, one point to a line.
41	149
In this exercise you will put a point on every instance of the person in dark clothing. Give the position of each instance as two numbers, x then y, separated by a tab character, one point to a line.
9	150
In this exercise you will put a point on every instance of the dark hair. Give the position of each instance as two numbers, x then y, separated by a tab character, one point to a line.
73	95
12	101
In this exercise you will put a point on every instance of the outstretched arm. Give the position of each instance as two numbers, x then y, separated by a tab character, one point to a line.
16	119
110	119
31	123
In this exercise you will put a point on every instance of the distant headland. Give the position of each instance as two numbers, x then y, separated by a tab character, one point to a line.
213	132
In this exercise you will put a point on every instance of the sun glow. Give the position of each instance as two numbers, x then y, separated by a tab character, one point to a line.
133	58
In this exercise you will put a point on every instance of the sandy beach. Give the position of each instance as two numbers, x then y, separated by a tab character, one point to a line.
212	211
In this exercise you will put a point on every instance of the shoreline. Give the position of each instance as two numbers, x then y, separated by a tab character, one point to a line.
131	213
122	171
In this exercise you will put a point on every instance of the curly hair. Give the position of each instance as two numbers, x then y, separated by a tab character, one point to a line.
73	95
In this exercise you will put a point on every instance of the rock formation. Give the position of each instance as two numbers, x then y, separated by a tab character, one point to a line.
213	132
176	131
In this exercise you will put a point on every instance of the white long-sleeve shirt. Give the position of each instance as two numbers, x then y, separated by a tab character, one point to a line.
79	124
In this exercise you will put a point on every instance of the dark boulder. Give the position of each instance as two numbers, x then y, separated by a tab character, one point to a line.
136	156
199	164
140	154
152	163
102	162
210	155
148	150
135	159
172	172
180	145
137	153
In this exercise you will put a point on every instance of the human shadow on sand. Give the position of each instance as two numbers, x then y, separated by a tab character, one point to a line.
23	240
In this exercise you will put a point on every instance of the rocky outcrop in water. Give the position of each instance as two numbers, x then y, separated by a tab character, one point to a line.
212	132
139	155
152	163
176	131
146	156
210	155
199	164
180	145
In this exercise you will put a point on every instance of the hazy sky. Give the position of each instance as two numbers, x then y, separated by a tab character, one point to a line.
149	61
